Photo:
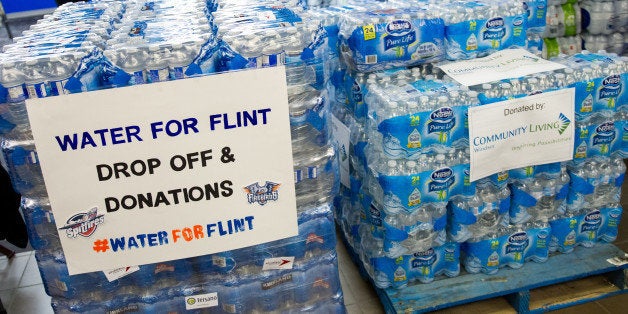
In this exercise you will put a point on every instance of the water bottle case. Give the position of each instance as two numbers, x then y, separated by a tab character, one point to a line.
535	11
478	38
407	192
422	266
417	132
597	137
400	41
465	222
512	249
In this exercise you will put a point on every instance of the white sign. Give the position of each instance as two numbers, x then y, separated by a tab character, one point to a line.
521	132
500	65
342	137
158	172
201	301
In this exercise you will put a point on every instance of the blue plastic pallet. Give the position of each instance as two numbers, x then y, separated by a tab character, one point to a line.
514	284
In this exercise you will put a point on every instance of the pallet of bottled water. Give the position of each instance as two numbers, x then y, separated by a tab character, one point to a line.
410	191
111	44
566	27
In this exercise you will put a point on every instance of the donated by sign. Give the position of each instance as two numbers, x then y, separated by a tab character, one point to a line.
158	172
521	132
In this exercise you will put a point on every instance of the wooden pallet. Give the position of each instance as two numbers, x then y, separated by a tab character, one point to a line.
564	280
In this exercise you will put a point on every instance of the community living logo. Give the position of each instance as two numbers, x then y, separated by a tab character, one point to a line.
83	224
560	125
261	194
564	123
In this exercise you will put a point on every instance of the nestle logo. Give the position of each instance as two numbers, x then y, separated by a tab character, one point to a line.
612	80
442	113
427	253
606	127
542	235
442	174
497	22
355	87
593	216
518	237
398	27
375	212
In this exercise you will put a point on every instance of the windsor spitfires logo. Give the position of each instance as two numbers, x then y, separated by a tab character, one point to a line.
83	224
261	194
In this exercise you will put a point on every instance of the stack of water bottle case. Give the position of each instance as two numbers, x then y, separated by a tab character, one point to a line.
568	26
410	211
109	44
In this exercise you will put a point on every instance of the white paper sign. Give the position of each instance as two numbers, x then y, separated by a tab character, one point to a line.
521	132
342	137
158	172
500	65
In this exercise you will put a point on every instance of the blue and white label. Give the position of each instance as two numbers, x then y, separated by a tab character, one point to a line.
468	39
416	132
417	189
600	139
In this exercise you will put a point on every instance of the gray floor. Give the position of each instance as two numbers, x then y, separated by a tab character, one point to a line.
21	290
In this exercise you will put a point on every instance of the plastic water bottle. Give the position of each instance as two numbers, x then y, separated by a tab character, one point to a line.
157	64
12	79
24	169
593	178
133	61
600	13
61	67
34	74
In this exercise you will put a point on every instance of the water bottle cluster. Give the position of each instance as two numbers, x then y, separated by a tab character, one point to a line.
563	205
600	103
238	277
56	56
410	201
412	33
122	43
565	27
156	42
606	26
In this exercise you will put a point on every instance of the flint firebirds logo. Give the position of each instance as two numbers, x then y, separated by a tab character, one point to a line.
83	224
261	194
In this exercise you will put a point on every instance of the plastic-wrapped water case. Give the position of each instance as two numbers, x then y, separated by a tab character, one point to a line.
410	113
424	266
478	28
511	246
396	36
